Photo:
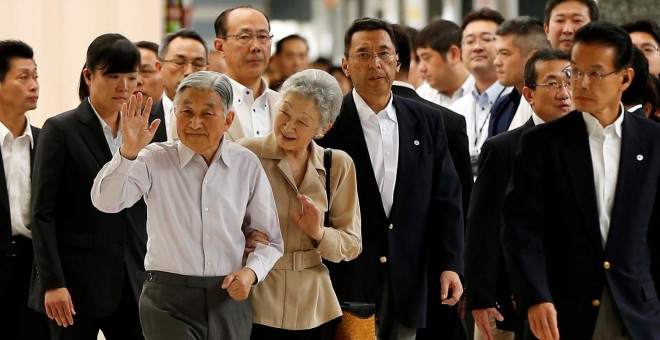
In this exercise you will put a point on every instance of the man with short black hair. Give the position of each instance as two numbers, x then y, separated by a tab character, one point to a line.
645	35
438	46
581	237
19	92
410	193
180	54
562	18
517	39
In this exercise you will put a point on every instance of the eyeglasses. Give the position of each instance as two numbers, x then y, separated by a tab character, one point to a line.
649	49
577	74
246	37
483	40
365	57
553	85
197	64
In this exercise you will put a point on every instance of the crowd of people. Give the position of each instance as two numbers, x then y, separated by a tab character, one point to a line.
497	179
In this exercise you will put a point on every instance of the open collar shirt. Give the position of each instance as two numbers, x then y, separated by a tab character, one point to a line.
253	113
197	215
16	163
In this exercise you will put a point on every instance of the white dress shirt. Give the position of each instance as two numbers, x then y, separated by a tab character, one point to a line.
113	142
170	118
522	115
16	161
381	132
605	146
427	92
476	109
197	215
254	114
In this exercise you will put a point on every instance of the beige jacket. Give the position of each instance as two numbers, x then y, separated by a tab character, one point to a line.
301	296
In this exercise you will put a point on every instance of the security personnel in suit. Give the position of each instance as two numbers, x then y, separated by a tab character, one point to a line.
19	92
410	195
581	236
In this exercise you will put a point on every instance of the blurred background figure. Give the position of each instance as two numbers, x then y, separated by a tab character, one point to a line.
291	56
217	62
344	82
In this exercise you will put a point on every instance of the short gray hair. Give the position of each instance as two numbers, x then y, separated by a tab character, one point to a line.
208	80
320	86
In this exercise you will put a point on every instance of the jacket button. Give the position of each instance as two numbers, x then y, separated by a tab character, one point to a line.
383	259
391	226
595	303
606	265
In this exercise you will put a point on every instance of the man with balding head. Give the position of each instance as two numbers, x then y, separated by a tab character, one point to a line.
243	38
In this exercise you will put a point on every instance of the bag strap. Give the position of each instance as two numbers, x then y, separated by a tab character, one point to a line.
327	164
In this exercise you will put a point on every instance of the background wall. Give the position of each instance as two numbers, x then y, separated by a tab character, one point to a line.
60	32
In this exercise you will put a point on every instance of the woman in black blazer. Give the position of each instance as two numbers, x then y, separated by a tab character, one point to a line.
86	259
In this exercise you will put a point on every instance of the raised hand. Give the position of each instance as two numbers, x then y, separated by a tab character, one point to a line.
309	217
135	126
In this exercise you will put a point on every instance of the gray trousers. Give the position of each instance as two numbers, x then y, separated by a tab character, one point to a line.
609	325
179	307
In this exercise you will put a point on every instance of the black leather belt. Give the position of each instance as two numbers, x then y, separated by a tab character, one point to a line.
184	280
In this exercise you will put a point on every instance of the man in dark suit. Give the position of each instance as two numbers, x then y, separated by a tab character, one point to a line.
19	92
581	236
633	97
487	285
150	84
410	195
87	260
441	319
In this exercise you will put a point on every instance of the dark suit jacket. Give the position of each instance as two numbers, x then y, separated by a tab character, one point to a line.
457	141
425	221
77	246
158	112
502	113
551	235
442	319
486	280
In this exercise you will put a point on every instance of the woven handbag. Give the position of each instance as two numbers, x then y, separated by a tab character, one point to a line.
358	321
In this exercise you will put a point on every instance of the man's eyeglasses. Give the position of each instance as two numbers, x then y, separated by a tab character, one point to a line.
197	64
246	37
577	74
483	40
649	49
365	57
557	86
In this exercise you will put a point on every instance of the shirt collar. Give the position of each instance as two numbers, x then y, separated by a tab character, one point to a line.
465	87
186	154
492	93
104	125
365	112
403	84
4	131
536	119
593	125
240	91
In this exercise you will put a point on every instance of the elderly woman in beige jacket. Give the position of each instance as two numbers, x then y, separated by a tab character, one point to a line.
296	299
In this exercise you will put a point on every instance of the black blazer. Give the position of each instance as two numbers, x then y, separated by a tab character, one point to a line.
486	280
551	235
76	246
426	220
157	111
457	142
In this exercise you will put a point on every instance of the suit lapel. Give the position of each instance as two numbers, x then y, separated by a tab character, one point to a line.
410	147
580	172
631	173
351	137
92	133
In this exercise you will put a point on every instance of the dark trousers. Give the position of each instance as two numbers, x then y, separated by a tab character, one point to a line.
180	307
17	321
122	324
325	331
